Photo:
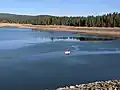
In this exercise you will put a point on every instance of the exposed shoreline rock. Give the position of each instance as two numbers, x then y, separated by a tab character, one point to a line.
99	85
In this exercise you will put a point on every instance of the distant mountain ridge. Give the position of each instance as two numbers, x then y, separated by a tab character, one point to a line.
21	15
8	15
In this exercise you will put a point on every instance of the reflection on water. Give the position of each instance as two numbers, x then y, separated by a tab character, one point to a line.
17	43
10	38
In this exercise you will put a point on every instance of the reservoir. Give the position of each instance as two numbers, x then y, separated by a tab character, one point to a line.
31	60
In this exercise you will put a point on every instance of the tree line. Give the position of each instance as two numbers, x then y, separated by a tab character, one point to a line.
106	20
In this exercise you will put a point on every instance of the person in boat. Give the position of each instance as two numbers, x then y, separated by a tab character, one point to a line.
67	52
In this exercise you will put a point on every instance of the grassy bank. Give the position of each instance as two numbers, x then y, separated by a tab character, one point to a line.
115	32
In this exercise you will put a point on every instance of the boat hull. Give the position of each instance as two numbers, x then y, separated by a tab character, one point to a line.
67	52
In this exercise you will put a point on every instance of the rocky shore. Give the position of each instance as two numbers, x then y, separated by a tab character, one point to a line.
100	85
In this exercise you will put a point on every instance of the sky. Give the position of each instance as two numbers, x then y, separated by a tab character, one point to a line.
60	7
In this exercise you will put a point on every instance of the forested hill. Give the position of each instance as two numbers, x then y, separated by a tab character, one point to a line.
106	20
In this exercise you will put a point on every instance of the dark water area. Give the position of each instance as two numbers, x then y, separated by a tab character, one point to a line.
32	61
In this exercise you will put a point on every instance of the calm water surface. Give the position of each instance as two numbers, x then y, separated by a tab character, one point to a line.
32	61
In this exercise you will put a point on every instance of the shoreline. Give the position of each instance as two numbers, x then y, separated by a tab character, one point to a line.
98	85
106	31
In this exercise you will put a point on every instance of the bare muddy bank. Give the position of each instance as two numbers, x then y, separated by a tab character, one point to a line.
114	32
100	85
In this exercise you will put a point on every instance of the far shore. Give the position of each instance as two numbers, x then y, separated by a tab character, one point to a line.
107	31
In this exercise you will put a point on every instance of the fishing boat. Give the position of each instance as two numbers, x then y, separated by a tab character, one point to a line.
67	52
